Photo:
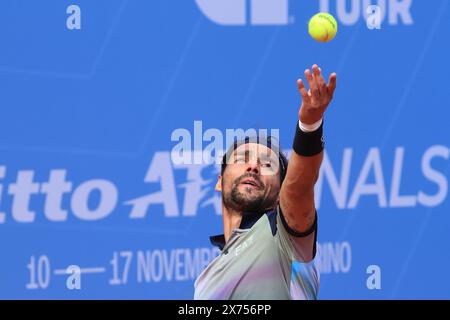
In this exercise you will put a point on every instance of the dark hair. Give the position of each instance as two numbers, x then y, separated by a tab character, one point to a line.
269	141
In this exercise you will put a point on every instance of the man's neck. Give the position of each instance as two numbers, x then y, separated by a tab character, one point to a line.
231	220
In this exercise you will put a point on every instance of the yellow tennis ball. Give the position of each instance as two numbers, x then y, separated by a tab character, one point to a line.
322	27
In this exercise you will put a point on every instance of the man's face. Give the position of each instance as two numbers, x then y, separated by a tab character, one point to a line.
251	180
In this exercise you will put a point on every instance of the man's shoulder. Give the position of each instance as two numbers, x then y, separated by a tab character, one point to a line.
269	217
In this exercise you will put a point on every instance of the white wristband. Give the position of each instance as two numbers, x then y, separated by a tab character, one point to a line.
310	127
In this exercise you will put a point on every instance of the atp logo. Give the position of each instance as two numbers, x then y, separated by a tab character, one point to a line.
276	12
244	12
197	190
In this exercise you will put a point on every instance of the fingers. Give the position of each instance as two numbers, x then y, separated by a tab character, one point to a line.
314	90
302	89
332	83
318	88
309	78
320	81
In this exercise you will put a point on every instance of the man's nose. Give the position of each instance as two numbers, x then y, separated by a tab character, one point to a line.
253	167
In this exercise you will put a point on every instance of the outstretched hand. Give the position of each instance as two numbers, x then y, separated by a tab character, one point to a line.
315	100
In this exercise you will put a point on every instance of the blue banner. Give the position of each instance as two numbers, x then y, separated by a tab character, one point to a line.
91	93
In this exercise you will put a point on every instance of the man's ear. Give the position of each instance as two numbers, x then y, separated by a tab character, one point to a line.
219	184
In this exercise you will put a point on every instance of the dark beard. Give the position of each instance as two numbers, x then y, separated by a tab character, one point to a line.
245	201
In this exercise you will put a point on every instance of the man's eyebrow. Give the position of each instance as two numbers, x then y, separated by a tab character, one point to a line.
262	155
245	152
268	157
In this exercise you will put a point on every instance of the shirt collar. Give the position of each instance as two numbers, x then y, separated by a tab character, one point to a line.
248	220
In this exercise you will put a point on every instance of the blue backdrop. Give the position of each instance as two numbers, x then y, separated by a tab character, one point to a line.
90	96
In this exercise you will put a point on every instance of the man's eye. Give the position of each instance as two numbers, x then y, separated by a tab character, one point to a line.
240	159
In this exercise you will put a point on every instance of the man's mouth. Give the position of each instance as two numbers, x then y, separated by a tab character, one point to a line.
251	182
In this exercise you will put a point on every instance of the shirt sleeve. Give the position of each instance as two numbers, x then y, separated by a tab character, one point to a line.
298	246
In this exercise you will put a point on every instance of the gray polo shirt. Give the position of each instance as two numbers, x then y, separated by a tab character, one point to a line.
263	259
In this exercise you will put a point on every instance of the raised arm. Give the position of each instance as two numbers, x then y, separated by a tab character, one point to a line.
297	191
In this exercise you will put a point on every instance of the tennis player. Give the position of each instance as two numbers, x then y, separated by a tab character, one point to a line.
268	249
